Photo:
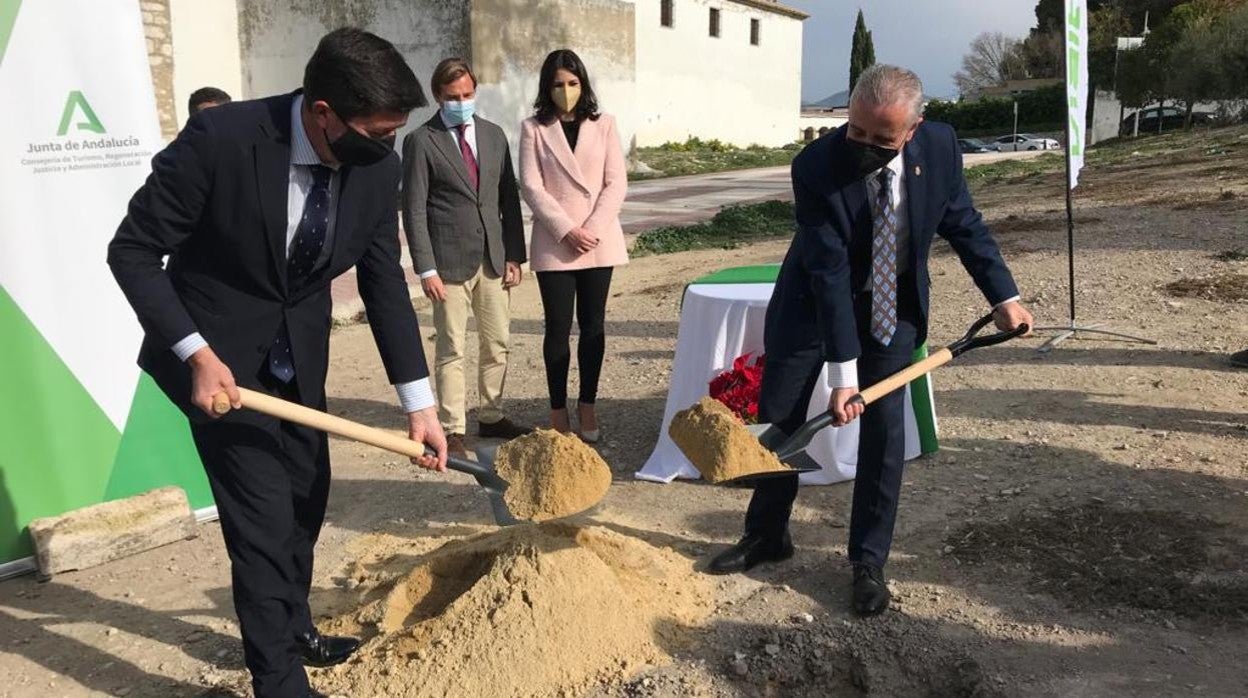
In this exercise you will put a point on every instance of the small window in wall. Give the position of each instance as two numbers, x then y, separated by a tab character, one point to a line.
753	32
665	12
715	22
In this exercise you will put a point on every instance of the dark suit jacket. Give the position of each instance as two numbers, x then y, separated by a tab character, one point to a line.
450	226
215	203
829	262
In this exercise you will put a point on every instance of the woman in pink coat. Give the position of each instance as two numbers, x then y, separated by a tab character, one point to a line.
572	176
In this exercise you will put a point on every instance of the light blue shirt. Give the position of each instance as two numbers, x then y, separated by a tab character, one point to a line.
414	395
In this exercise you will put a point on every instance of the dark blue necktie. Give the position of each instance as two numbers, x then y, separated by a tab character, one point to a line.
305	250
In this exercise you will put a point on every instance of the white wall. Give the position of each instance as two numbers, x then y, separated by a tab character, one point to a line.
205	49
277	37
691	84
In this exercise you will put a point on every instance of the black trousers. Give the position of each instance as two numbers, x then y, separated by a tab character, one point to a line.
585	291
270	480
787	385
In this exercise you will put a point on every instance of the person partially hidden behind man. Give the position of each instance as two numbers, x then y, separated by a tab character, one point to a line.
852	293
206	98
259	205
461	212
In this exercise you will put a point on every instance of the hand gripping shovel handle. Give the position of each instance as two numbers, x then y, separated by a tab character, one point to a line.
802	437
939	358
347	429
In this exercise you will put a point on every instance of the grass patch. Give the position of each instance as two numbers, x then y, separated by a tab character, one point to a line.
1220	287
1015	170
732	227
700	157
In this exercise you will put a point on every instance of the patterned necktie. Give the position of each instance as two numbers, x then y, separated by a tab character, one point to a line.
884	263
305	250
470	160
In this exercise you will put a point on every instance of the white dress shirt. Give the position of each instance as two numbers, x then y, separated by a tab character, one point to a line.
470	135
414	395
844	374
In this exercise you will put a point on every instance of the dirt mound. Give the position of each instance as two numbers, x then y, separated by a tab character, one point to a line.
718	444
1094	556
530	610
551	475
1222	287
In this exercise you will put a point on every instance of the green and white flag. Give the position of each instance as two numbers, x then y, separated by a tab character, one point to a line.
79	423
1076	83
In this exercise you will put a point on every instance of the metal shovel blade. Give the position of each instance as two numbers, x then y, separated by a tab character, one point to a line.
483	472
775	440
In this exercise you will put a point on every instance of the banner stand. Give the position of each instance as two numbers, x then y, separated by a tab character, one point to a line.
1076	130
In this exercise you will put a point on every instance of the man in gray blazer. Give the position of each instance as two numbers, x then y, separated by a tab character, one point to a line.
461	211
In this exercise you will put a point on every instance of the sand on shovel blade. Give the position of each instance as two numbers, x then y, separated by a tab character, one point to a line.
718	443
551	475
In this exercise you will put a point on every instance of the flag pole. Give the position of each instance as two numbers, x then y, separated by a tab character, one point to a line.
1073	329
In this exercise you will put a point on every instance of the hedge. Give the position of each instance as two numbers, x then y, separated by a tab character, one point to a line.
1046	105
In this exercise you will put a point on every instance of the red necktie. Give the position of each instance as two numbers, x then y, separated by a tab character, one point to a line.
470	160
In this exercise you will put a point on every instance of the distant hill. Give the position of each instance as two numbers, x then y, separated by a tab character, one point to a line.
840	99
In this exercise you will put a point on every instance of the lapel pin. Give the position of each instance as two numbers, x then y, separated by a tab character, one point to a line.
918	171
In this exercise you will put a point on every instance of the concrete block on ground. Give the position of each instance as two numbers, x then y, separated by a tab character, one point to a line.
104	532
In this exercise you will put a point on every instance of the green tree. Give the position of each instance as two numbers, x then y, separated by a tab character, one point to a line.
861	52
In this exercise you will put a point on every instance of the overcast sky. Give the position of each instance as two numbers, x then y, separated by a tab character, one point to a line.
927	36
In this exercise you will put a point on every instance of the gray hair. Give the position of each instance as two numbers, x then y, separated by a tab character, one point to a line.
886	85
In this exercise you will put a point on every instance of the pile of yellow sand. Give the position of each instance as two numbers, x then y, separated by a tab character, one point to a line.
551	475
540	610
718	444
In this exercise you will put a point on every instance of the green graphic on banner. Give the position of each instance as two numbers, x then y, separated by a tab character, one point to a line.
156	450
67	463
8	17
76	102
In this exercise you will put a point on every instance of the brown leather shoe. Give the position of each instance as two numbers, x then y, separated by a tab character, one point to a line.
455	446
502	429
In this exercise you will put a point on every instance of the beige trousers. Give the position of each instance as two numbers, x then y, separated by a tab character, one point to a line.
484	297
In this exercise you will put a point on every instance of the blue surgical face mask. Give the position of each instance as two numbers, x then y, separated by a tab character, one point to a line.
457	113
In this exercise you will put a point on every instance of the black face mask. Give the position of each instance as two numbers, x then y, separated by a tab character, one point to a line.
867	157
354	148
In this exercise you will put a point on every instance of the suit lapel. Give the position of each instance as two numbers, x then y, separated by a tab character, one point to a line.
447	143
344	222
913	178
272	156
485	155
552	133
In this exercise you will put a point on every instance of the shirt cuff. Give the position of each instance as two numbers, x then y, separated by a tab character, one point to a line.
1011	299
189	345
428	274
415	395
843	374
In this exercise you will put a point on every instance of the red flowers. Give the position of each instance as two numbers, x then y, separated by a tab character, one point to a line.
738	389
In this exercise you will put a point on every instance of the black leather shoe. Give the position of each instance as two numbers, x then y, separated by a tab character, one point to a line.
749	551
325	650
871	595
502	429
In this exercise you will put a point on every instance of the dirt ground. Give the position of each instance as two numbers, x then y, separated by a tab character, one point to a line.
1082	531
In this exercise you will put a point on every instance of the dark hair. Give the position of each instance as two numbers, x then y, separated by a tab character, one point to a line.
544	105
448	71
360	74
206	95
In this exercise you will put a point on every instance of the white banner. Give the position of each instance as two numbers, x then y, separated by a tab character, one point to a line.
1076	83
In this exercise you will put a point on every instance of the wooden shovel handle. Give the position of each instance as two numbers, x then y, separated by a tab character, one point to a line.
315	419
901	378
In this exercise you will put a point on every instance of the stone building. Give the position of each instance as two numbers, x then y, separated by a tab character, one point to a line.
667	69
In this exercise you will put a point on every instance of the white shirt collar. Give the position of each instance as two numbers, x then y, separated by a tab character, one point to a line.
451	127
897	165
301	150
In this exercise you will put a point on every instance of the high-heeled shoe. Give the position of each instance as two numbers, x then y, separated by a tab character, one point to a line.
589	436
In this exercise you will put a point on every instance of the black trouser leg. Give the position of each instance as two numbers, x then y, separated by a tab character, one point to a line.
593	287
783	401
558	289
270	484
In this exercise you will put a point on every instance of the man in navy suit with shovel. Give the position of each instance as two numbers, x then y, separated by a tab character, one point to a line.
852	293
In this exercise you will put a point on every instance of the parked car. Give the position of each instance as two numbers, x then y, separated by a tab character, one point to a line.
1171	118
1025	141
974	145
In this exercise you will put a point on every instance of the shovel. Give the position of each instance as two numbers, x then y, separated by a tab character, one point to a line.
791	450
482	472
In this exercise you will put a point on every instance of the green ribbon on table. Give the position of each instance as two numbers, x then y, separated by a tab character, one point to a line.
756	274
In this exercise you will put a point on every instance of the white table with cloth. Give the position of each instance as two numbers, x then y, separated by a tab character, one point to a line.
721	318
